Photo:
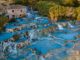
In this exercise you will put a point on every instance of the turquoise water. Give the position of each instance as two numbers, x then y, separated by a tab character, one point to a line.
57	44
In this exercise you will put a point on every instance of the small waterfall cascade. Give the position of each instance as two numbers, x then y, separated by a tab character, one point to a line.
13	50
70	25
33	34
42	58
60	27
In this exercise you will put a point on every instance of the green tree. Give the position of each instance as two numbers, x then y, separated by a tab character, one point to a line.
3	21
43	7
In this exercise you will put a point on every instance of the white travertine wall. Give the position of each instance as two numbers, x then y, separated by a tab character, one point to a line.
17	12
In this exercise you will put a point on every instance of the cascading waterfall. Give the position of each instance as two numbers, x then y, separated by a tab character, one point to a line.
70	25
37	18
33	34
42	58
13	50
29	15
60	27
